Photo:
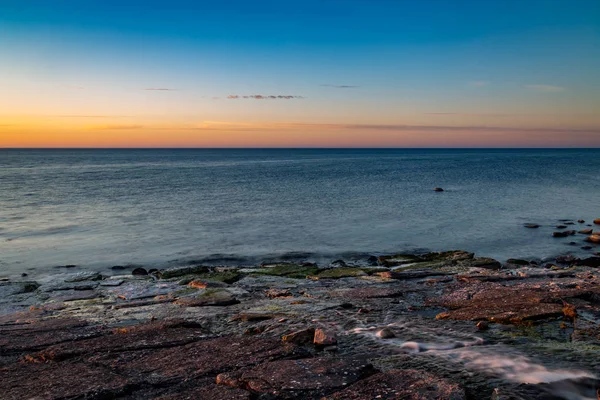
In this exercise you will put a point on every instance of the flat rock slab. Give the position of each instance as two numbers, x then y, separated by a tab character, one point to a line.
196	360
203	389
370	293
300	379
401	384
143	289
59	381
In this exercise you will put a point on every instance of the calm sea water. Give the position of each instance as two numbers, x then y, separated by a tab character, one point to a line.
98	208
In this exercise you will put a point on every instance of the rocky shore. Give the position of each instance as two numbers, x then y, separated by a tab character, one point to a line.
444	325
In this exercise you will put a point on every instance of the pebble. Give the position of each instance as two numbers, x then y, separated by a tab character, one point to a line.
385	333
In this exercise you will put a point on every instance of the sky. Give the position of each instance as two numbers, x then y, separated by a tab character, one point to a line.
310	73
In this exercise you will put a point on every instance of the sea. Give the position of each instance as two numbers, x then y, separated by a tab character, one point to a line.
165	207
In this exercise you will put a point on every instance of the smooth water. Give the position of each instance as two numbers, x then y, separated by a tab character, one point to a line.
98	208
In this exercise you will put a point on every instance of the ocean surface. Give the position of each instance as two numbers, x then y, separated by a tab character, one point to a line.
158	208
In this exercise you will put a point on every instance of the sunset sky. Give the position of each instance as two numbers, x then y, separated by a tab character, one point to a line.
311	73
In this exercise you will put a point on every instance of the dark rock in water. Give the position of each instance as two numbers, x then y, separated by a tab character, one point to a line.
581	221
560	234
567	259
139	271
372	260
570	223
23	275
182	271
587	231
572	243
438	189
517	261
385	333
117	267
531	226
402	384
561	226
339	263
590	262
586	247
597	221
593	239
485	262
483	326
152	271
324	338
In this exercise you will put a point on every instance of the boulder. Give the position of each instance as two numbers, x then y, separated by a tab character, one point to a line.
438	189
597	221
385	333
593	262
304	336
531	226
593	239
139	272
324	338
586	231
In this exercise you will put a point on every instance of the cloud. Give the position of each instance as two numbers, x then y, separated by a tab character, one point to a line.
546	88
263	97
160	89
479	83
341	86
92	116
115	127
449	114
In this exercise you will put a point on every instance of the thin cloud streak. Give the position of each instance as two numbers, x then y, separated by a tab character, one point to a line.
263	97
160	89
115	127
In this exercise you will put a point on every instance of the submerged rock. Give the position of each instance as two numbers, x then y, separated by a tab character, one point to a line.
438	189
531	226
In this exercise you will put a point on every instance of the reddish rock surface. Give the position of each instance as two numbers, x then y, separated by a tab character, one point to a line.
401	384
300	379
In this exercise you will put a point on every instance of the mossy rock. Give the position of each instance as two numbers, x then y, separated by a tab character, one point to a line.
337	273
224	277
423	265
183	271
398	259
452	255
374	270
295	271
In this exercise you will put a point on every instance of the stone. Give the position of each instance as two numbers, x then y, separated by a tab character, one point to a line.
12	288
300	379
339	263
560	234
385	333
438	189
531	226
597	221
211	297
567	259
274	293
485	262
581	221
517	261
586	231
402	384
118	267
593	262
561	226
337	273
182	271
84	276
324	338
305	336
586	247
593	239
139	272
482	326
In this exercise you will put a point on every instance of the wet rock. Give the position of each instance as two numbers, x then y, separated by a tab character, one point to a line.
531	226
385	333
12	288
250	317
296	271
305	336
181	271
58	286
398	259
402	384
84	276
205	284
324	338
586	231
371	293
438	189
568	259
486	263
561	226
482	326
517	261
339	263
586	247
593	262
139	272
337	273
562	234
569	223
593	239
112	282
597	221
118	267
300	379
274	293
215	298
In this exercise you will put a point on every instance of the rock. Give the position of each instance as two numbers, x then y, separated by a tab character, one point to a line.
593	262
337	273
402	384
112	282
206	284
531	226
339	263
12	288
84	276
560	234
117	267
305	336
597	221
385	333
581	221
438	189
569	223
299	379
295	271
567	259
139	272
517	261
273	293
214	298
586	231
482	326
593	239
23	275
324	338
561	226
181	271
485	262
586	247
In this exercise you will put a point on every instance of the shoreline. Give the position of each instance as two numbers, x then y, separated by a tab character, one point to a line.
460	325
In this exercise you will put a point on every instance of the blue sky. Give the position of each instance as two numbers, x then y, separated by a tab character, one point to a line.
513	64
